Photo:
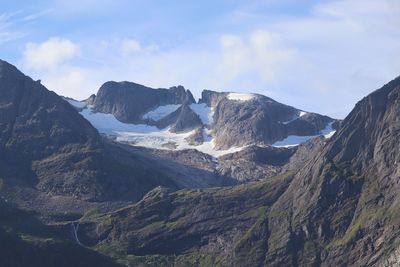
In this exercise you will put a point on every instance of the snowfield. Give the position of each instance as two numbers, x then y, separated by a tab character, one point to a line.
108	124
75	103
240	96
151	136
161	112
205	112
295	140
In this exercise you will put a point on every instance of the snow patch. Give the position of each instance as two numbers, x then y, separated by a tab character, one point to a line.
151	136
161	112
205	112
172	141
328	132
301	114
295	140
208	146
240	96
75	103
329	135
161	139
108	124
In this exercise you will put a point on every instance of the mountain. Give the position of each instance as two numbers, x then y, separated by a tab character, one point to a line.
128	101
104	184
340	208
46	145
252	119
218	124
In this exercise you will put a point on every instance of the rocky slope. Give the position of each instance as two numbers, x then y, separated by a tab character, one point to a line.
341	208
129	101
251	119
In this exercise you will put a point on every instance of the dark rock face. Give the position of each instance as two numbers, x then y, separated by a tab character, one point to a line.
47	144
343	199
129	101
211	98
259	121
186	121
309	124
340	209
90	100
33	119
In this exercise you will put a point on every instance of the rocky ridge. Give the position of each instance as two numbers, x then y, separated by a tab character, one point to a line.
219	123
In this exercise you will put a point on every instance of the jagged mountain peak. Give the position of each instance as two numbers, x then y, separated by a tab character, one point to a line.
374	117
128	102
229	120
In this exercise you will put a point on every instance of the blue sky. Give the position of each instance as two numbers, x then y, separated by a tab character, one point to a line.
320	56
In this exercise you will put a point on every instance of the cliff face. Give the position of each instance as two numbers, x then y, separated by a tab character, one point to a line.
129	101
341	208
260	120
343	204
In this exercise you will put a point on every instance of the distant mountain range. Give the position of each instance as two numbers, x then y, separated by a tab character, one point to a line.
135	176
219	123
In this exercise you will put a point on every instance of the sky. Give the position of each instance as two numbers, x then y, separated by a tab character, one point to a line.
320	56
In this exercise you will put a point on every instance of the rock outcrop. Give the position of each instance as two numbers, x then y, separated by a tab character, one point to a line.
259	121
128	102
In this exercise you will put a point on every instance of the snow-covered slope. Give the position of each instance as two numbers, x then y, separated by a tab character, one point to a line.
294	140
150	136
240	96
220	123
301	114
161	112
205	113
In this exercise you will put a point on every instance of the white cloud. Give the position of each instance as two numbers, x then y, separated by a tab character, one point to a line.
49	54
6	33
70	81
324	60
129	46
36	16
258	57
